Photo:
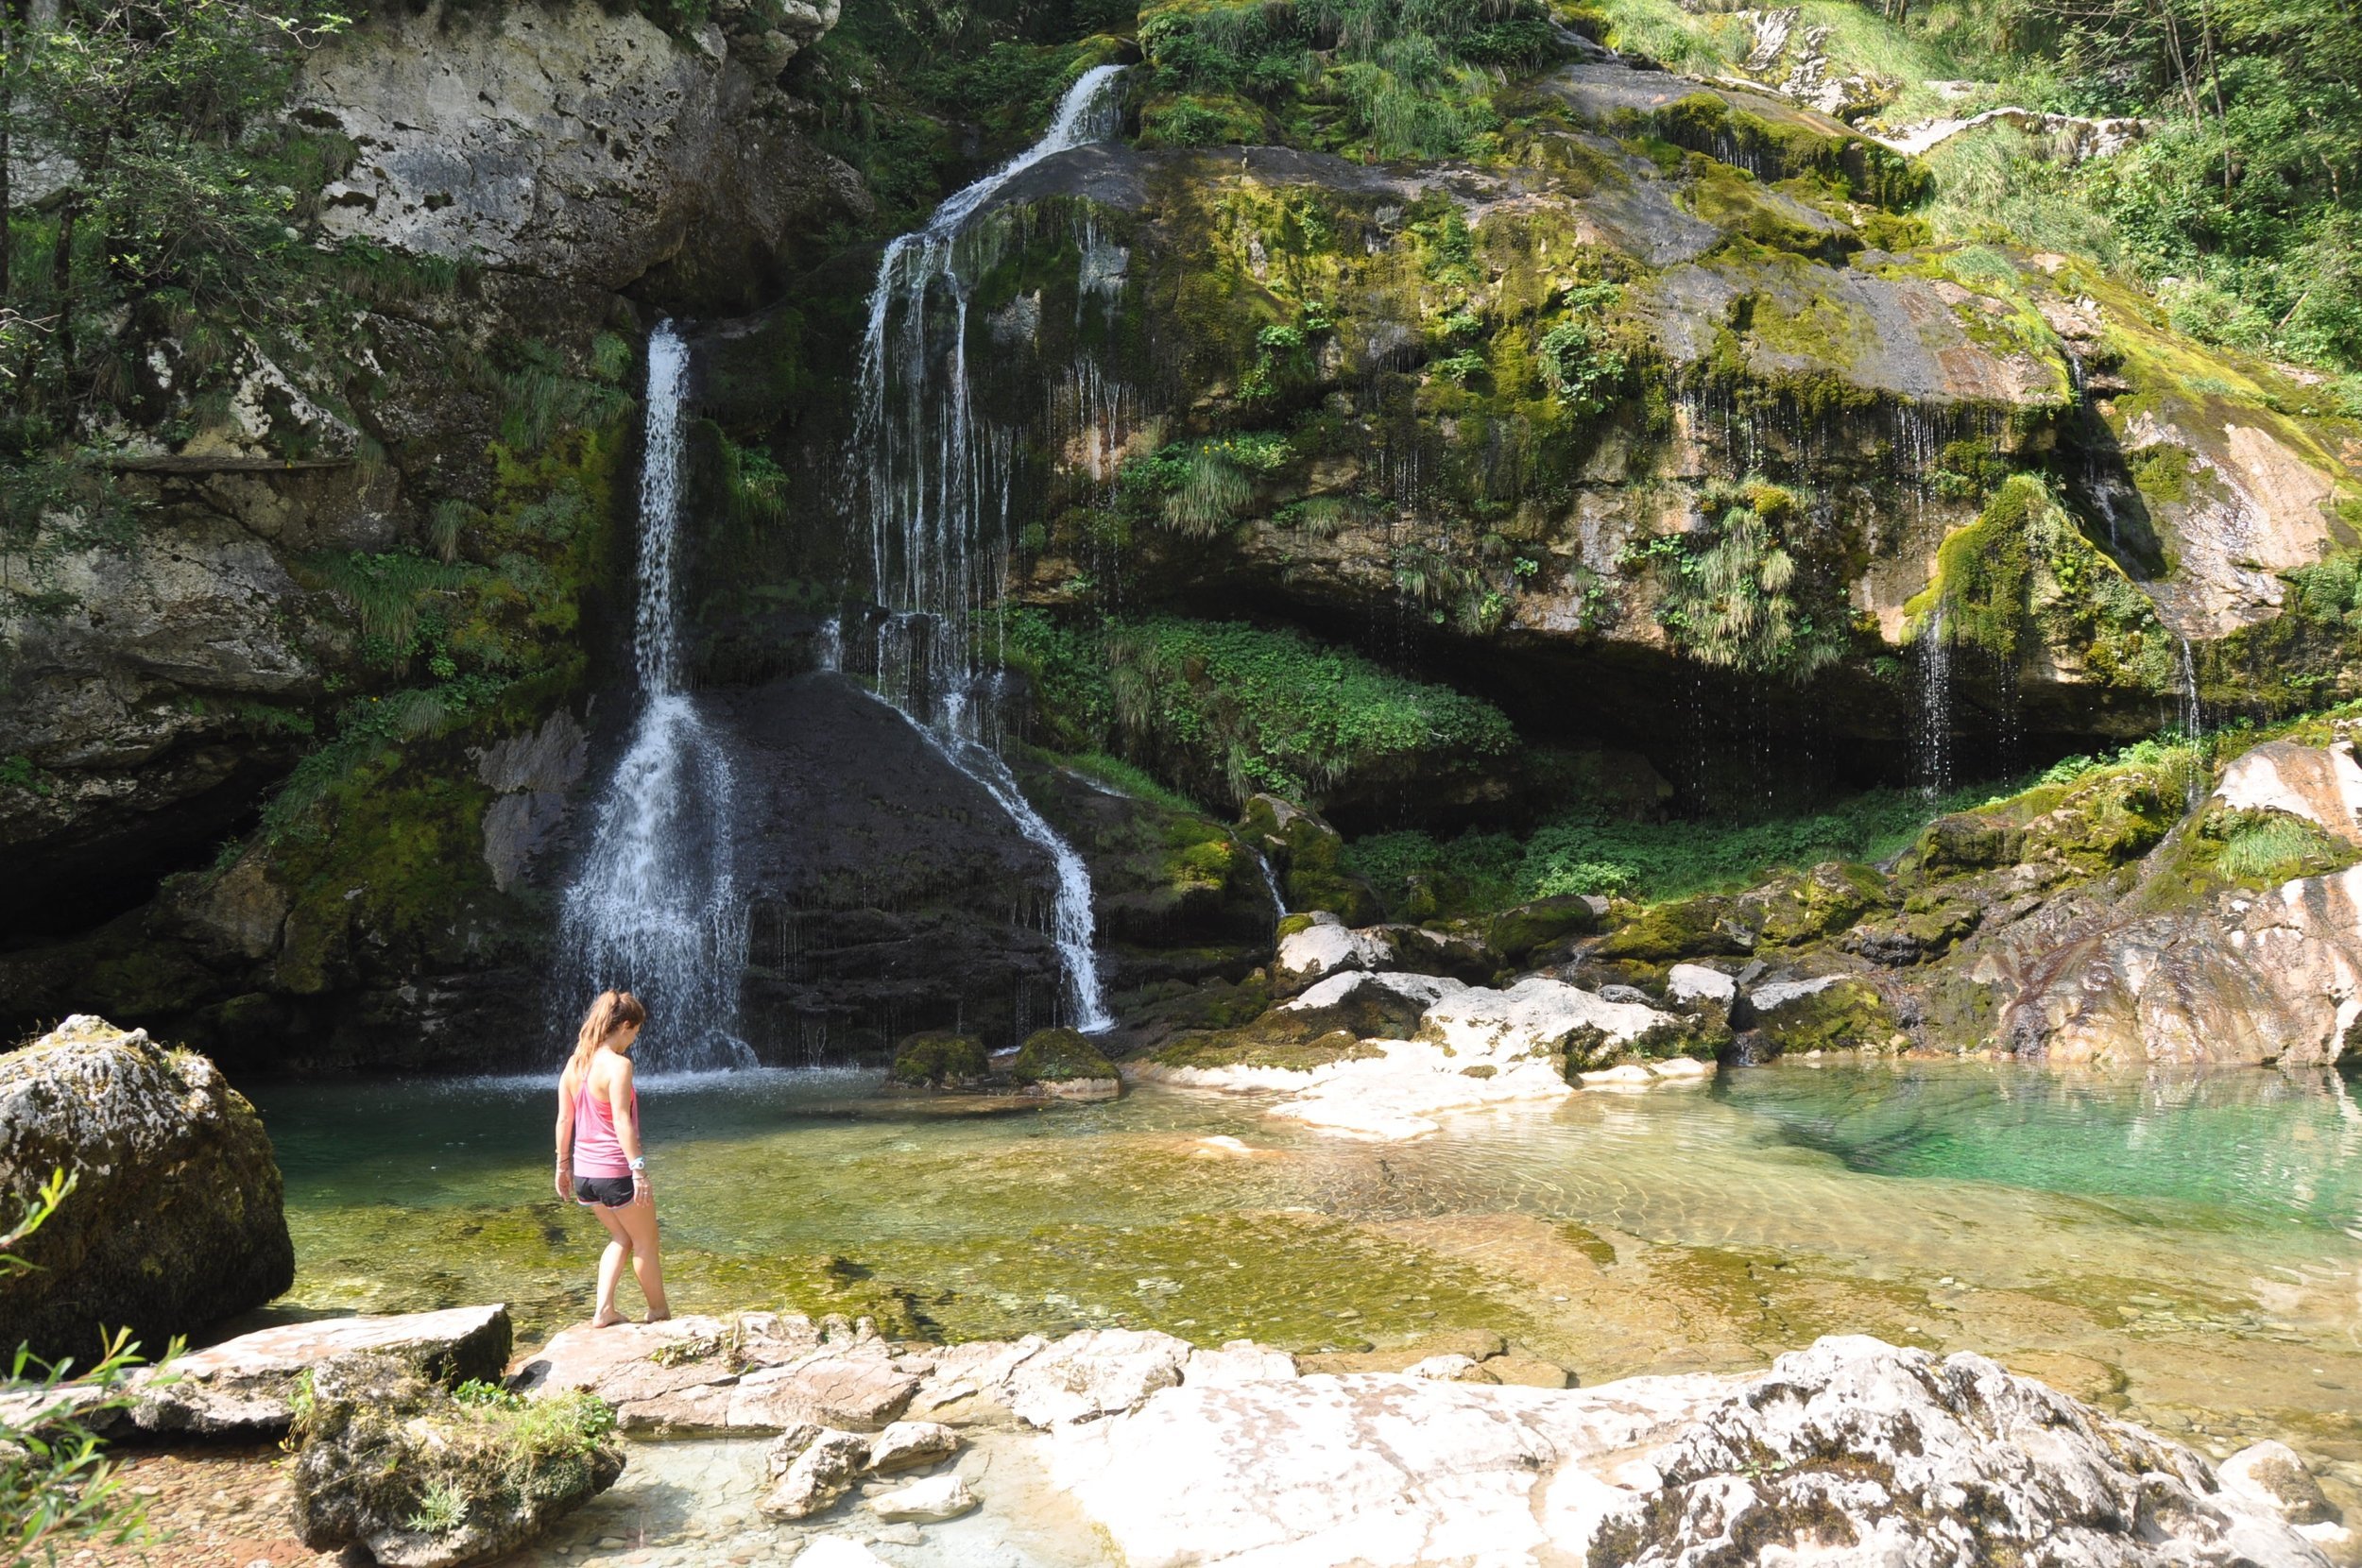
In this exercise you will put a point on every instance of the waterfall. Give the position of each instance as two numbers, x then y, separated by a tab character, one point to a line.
935	484
2193	721
1935	705
1270	883
654	909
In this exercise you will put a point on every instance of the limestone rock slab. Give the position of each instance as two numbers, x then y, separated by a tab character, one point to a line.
247	1384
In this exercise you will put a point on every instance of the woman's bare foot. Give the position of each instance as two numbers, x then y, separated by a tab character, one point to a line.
660	1317
609	1318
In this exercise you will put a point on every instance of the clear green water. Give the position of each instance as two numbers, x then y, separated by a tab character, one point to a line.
2186	1249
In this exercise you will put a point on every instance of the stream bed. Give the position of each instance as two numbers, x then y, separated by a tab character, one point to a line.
2183	1249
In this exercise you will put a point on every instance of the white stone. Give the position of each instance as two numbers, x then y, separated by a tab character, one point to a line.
1096	1372
1695	982
910	1445
1535	1017
1922	1463
1447	1369
1425	990
925	1502
1325	946
1240	1361
1768	998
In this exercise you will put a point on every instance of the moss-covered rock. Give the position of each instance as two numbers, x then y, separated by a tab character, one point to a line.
425	1478
1681	928
1820	902
1057	1056
1517	934
936	1059
176	1219
1308	856
1831	1013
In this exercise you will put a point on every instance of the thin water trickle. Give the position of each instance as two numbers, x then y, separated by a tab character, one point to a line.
936	485
1935	704
654	908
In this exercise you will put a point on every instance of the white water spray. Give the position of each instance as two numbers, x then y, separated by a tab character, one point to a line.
936	488
654	909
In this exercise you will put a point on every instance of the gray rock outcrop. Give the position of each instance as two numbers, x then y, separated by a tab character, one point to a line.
575	142
175	1219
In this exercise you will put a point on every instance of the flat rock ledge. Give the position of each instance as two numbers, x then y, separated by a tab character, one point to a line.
247	1385
1851	1452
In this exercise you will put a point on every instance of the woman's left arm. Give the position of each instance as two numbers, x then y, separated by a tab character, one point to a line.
565	1131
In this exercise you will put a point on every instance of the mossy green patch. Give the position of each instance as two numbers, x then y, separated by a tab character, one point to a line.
938	1058
1057	1056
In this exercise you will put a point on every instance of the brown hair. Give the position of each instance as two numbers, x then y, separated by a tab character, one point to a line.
613	1011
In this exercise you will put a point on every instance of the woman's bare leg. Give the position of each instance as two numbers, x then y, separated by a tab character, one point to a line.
618	1247
647	1257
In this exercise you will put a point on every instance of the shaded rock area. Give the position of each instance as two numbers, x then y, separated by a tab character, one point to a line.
176	1219
888	890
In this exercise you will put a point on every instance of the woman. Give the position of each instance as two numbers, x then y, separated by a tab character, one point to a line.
598	1144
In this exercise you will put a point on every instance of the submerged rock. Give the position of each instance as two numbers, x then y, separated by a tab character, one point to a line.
811	1468
928	1502
394	1463
1852	1451
175	1219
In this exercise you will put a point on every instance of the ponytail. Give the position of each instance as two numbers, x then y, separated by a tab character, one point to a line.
613	1011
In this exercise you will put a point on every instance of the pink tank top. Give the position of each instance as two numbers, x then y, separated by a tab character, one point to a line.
597	1150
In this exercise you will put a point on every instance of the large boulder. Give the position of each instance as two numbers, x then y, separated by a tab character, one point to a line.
395	1463
175	1219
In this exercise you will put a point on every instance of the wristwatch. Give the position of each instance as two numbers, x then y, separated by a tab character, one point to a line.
639	1163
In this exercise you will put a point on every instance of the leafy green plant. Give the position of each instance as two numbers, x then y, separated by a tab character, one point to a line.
442	1508
1728	597
58	1488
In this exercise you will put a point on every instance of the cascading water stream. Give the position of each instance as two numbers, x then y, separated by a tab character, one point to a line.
1935	705
935	484
654	909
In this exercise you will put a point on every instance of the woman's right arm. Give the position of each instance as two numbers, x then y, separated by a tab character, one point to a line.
565	1129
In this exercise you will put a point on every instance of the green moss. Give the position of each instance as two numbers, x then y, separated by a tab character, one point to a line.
938	1058
1820	902
1681	929
1269	1047
1846	1015
1058	1055
2225	850
2024	574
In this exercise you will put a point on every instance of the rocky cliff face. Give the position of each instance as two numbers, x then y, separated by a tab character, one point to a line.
1664	427
402	573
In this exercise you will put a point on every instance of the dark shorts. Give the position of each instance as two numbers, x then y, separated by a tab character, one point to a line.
607	1192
